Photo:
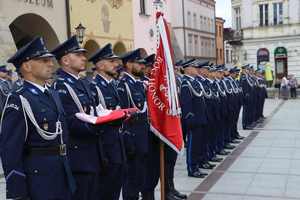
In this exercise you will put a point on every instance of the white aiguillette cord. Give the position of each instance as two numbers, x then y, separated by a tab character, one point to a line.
74	97
206	94
44	134
194	91
131	99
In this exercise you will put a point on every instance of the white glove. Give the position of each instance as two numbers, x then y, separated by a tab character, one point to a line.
102	111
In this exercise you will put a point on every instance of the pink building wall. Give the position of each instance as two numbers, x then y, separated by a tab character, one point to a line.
144	24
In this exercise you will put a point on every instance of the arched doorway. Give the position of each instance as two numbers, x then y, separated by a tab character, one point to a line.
263	55
91	46
281	62
25	27
119	48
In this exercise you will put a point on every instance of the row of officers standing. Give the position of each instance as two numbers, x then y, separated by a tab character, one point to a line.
47	153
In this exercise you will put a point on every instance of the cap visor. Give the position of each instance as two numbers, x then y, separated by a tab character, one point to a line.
46	55
79	50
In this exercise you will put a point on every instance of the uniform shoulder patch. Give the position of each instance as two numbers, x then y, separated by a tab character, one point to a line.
13	106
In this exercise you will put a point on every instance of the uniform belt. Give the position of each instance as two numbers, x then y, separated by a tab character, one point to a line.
59	150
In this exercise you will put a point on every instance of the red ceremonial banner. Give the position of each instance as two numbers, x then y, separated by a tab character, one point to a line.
162	93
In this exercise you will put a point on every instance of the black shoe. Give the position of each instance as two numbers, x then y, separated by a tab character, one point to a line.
216	159
229	146
178	194
172	196
197	174
212	165
239	137
207	166
224	153
235	141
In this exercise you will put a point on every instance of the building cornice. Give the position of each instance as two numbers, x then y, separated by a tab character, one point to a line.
108	38
277	38
194	30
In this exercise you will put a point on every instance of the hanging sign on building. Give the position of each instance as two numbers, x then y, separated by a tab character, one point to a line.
41	3
280	52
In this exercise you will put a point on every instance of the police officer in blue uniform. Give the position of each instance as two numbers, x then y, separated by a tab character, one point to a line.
148	66
5	85
233	106
215	115
194	118
248	87
34	132
153	166
202	68
105	92
262	90
132	93
227	107
233	76
85	147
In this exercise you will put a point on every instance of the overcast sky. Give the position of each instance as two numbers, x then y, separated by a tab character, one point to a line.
223	9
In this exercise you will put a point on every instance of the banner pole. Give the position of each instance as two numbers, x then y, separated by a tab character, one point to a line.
162	171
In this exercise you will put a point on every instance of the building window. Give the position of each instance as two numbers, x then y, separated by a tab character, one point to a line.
227	56
275	16
205	47
189	20
237	12
208	26
201	23
143	7
190	40
220	31
196	45
212	25
213	48
209	47
202	46
221	54
277	13
264	15
205	26
280	13
195	21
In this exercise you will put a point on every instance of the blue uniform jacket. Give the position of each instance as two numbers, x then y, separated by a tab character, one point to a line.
31	175
84	148
138	126
112	137
193	107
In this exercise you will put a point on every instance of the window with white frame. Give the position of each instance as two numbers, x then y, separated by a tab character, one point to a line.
195	21
201	23
202	46
190	42
237	13
196	46
143	7
213	50
204	24
277	13
189	20
264	15
212	25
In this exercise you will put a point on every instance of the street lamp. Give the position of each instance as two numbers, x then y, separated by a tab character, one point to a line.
80	31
